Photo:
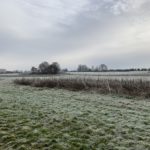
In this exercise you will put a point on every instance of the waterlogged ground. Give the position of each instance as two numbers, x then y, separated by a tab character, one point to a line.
52	119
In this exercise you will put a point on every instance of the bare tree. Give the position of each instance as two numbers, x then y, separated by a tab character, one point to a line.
34	70
43	67
54	68
103	67
82	68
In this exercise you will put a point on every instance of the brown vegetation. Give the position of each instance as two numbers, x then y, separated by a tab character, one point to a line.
137	88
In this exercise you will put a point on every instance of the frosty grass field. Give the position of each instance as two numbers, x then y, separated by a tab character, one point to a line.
56	119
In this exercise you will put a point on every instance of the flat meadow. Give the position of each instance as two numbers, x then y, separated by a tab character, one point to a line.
43	118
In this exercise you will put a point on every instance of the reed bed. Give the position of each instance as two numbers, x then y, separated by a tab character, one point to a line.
137	88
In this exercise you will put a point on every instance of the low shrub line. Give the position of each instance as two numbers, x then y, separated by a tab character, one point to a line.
137	88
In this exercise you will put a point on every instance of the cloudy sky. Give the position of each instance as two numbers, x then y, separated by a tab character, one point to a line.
72	32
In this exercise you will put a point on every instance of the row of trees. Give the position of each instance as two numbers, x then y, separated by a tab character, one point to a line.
84	68
46	68
103	68
131	69
54	68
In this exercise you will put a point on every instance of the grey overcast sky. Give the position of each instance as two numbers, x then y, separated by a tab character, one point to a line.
72	32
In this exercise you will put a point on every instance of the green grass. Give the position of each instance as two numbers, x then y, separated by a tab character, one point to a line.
57	119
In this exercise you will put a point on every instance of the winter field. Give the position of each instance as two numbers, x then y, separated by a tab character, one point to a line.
57	119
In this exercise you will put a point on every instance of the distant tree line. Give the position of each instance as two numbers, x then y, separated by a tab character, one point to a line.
46	68
104	68
85	68
127	70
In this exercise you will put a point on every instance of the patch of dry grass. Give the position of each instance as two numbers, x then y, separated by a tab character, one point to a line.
136	88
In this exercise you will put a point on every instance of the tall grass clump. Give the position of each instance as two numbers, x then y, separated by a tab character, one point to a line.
137	88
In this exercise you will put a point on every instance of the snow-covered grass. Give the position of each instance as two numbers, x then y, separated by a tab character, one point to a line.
40	118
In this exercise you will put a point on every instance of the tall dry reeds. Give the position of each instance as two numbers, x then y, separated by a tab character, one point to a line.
122	87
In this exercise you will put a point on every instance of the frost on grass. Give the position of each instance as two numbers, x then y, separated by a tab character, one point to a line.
36	118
